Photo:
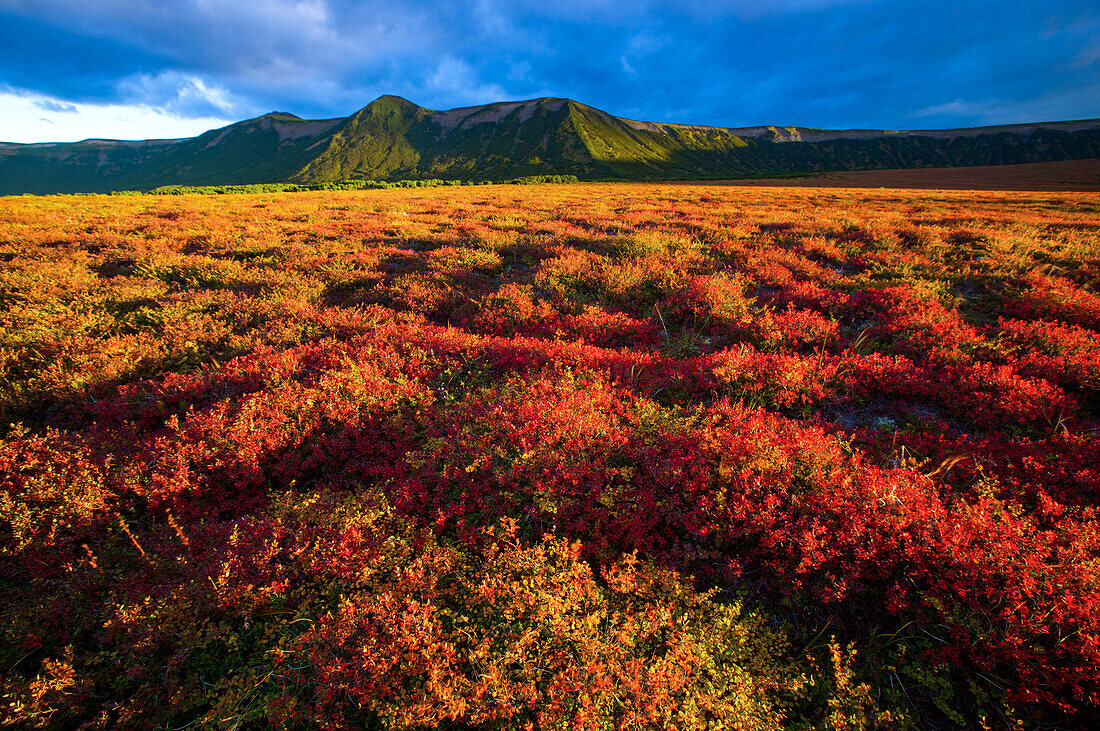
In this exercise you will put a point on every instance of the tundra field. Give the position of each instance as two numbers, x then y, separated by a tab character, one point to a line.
594	456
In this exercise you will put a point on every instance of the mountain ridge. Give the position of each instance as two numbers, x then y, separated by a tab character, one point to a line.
392	138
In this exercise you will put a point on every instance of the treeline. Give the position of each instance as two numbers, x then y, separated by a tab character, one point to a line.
340	185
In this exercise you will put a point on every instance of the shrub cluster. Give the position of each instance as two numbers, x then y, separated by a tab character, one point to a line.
342	185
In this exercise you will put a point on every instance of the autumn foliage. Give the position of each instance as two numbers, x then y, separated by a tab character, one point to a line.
577	457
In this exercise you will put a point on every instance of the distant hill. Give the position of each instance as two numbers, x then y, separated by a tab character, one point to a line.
393	139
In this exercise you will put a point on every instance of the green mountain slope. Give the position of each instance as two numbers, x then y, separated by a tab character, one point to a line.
374	142
91	165
641	149
394	139
268	149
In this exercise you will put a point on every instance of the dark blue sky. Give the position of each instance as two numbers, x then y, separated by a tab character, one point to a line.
825	63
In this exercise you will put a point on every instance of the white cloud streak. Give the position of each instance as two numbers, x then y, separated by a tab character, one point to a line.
32	117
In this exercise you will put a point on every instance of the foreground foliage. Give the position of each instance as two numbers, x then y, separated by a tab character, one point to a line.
600	456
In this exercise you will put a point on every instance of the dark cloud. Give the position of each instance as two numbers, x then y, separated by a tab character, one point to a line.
833	63
43	55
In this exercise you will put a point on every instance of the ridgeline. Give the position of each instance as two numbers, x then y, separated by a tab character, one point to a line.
392	139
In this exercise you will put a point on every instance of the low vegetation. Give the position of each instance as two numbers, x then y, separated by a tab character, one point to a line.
586	456
338	185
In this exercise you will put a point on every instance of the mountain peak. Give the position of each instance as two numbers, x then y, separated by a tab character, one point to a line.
283	117
392	100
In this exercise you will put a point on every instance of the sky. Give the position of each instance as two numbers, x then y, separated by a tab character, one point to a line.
139	69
